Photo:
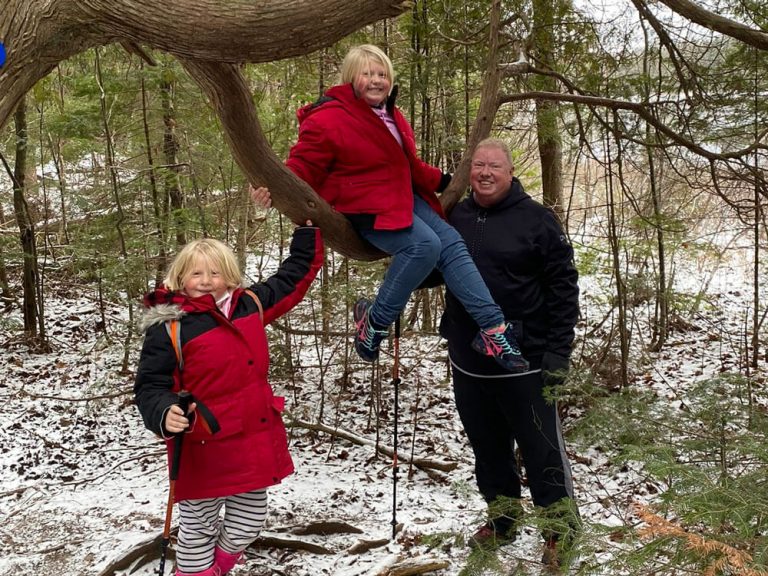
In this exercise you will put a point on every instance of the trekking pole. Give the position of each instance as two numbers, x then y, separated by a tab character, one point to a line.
184	400
396	382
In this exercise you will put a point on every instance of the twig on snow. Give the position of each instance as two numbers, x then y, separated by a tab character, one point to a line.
422	463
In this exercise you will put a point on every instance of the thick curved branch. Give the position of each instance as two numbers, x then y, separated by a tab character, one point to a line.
721	24
38	34
239	30
228	92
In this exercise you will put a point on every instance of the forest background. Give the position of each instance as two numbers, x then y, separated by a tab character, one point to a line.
642	124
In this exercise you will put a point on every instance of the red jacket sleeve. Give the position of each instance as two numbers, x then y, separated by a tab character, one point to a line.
312	156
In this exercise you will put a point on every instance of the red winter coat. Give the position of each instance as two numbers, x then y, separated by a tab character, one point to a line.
351	159
226	360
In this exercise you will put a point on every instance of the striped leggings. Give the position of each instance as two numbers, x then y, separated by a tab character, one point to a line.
201	529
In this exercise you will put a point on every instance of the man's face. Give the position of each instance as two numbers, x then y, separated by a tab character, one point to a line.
490	175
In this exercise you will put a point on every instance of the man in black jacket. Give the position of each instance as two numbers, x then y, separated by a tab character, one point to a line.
527	263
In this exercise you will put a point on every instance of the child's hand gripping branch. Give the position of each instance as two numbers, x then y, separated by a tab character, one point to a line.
262	198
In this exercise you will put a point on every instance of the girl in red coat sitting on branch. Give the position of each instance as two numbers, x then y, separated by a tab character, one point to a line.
358	152
225	363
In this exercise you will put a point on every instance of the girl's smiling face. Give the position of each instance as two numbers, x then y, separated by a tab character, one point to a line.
372	83
204	278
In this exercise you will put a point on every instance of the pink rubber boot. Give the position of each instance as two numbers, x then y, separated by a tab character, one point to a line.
212	571
225	560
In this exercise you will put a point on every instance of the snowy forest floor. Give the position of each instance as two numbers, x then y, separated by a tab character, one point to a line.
82	483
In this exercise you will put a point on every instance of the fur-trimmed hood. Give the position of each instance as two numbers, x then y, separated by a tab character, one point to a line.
159	314
162	305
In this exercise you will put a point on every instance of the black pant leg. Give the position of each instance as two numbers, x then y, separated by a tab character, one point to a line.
489	435
538	433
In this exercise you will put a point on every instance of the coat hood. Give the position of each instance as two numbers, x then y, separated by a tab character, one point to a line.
514	195
342	95
159	315
162	305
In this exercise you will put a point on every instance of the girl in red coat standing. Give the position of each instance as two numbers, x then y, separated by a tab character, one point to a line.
225	365
358	152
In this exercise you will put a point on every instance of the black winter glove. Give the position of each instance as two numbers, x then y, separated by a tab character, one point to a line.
554	369
445	179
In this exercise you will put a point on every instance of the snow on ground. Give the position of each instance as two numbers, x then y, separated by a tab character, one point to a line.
82	482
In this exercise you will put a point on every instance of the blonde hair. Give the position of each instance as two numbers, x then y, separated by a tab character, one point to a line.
359	57
215	253
499	144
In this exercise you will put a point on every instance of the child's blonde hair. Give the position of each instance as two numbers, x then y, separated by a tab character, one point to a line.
358	58
215	253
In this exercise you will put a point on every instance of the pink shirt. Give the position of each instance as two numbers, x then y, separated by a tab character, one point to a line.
389	121
224	303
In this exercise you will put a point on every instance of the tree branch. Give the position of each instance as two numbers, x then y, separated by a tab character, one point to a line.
643	110
422	463
721	24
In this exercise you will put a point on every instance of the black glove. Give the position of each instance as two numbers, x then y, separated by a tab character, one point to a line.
554	369
445	179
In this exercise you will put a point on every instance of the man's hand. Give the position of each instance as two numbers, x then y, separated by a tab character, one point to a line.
554	369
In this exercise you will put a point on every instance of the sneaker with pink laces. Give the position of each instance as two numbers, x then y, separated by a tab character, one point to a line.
367	336
501	344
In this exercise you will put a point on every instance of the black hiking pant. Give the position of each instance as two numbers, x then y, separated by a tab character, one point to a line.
498	413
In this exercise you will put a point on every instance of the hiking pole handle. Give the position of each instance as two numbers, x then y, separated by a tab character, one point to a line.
185	399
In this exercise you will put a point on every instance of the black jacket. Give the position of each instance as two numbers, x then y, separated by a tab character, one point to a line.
527	263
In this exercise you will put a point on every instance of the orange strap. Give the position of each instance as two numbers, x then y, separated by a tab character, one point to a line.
252	294
174	331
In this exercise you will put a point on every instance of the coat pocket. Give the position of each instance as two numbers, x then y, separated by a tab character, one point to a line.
229	418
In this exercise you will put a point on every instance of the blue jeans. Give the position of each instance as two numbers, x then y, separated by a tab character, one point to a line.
429	243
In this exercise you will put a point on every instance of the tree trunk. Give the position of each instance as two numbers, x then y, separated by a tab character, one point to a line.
547	112
550	154
58	162
25	222
660	325
489	105
158	205
615	246
172	182
6	297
